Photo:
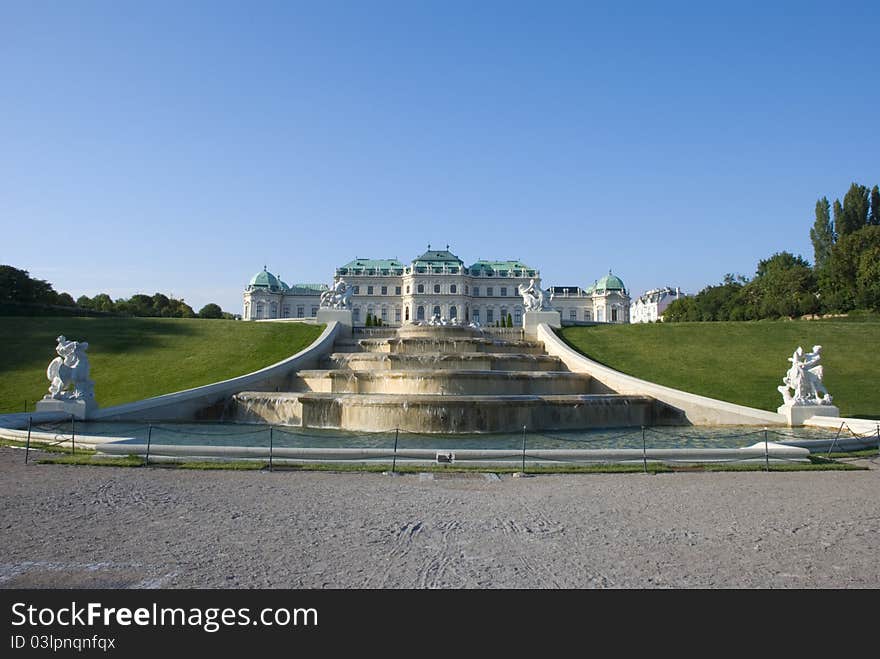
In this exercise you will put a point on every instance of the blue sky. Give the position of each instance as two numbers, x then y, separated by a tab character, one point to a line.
180	146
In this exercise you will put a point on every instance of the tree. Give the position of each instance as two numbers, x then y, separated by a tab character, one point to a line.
161	305
85	302
369	321
822	233
103	302
65	300
210	310
874	219
784	285
854	214
852	278
509	320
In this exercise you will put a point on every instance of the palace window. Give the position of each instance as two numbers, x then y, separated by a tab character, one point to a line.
356	315
300	311
504	291
384	314
397	290
476	291
489	291
420	313
436	310
613	315
314	311
421	288
465	289
396	314
453	289
273	310
259	310
355	290
586	314
490	315
453	312
476	315
407	290
384	290
285	311
369	290
436	288
517	316
573	314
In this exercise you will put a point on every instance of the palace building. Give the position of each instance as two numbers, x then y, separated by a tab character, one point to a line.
436	283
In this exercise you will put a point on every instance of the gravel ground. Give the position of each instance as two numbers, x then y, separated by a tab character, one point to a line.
104	527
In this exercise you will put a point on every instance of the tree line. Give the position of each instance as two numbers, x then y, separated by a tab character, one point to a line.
19	290
844	275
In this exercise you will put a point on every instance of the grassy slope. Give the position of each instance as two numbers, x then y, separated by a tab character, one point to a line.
741	362
135	358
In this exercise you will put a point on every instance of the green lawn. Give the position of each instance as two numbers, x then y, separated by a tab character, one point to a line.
135	358
742	362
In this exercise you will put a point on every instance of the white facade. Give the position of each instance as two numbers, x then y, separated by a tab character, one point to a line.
606	301
650	305
435	283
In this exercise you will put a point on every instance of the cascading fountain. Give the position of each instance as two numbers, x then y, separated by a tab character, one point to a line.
446	379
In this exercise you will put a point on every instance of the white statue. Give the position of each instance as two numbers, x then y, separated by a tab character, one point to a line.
71	367
534	298
338	297
804	379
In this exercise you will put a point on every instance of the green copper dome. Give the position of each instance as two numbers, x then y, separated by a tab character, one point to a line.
609	283
265	279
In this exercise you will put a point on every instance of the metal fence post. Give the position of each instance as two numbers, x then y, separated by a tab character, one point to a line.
644	451
149	440
270	448
524	451
394	455
27	446
834	441
766	452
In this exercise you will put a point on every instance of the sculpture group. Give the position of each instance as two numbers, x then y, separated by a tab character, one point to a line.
70	369
534	298
802	384
338	297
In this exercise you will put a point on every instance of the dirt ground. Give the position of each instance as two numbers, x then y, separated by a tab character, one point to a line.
64	526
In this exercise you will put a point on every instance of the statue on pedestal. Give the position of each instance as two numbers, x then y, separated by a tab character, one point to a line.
70	368
802	384
338	297
534	298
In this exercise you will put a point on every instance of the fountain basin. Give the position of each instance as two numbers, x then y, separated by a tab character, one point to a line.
450	345
446	382
450	414
469	361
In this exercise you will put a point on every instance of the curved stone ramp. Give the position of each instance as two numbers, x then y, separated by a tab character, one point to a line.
698	410
208	400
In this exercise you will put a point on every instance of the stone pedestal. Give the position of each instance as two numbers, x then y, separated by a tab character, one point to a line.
341	316
531	320
795	415
80	409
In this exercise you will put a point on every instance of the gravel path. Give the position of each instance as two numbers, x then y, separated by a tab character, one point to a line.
118	528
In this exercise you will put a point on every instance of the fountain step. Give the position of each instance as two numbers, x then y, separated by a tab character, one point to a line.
450	414
467	414
417	346
482	361
446	382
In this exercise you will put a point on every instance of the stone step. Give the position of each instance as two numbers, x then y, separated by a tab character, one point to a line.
471	361
451	414
418	346
444	382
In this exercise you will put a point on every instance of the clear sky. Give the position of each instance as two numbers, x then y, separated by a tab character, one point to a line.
180	146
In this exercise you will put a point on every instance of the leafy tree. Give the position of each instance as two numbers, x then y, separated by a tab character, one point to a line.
161	305
874	219
854	214
85	302
103	302
65	300
210	310
852	278
784	285
822	233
